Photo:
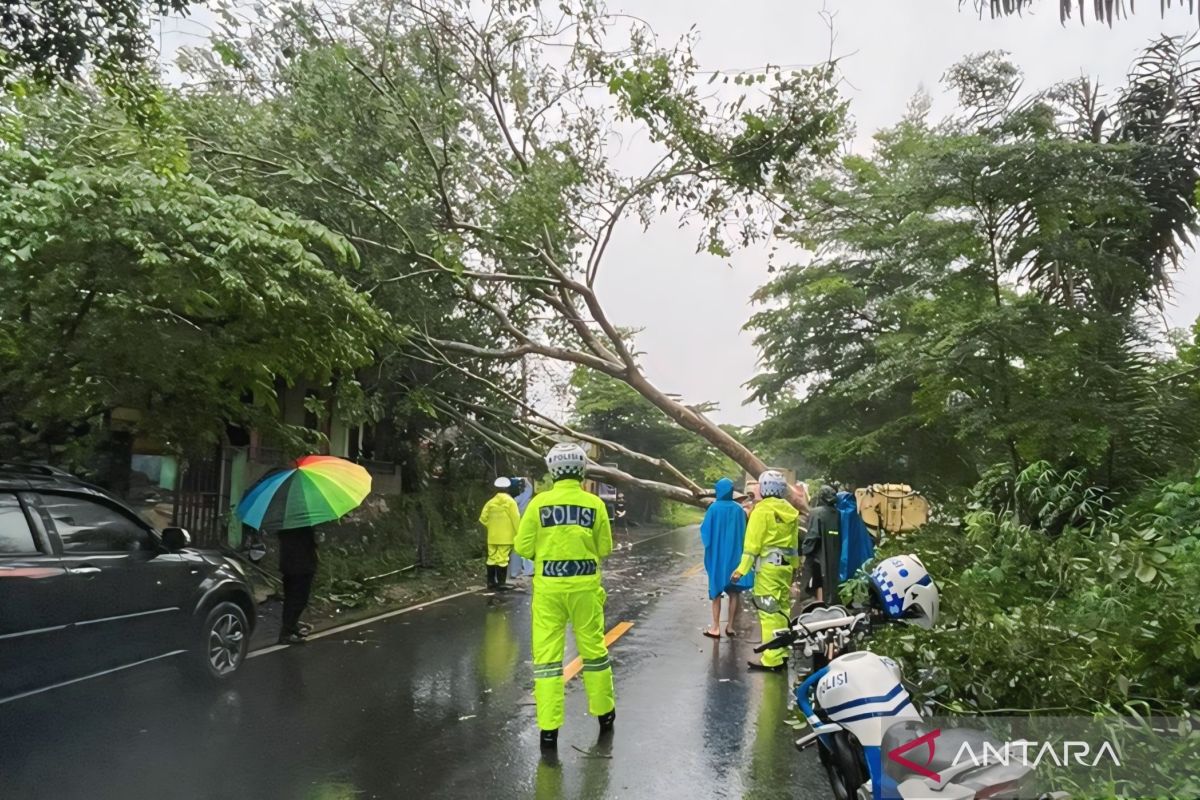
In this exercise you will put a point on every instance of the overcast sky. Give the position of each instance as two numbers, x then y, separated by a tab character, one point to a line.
692	307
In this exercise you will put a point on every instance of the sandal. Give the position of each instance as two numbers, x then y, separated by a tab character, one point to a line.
730	633
712	635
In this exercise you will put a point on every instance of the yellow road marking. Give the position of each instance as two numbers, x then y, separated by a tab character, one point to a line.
618	630
693	570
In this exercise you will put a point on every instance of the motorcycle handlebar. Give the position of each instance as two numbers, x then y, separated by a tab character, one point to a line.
810	629
829	624
782	640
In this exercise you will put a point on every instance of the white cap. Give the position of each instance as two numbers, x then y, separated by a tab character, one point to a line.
502	483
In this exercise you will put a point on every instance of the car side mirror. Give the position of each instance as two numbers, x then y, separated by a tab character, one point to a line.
176	539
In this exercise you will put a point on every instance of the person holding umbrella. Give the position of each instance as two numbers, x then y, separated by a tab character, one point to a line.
298	565
290	501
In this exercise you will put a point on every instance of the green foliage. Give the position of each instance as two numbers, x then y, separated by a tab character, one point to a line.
379	189
54	40
677	515
131	282
477	183
802	122
1091	607
731	153
1106	12
436	528
980	287
612	409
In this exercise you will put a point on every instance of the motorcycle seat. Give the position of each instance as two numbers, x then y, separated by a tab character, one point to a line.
946	746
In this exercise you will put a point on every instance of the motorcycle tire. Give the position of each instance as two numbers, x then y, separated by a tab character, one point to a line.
845	765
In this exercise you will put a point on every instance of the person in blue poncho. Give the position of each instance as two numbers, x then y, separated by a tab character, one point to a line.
857	546
722	533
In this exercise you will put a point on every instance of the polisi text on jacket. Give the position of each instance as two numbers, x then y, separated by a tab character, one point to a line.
582	516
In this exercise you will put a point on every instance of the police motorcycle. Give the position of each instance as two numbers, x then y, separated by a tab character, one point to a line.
870	739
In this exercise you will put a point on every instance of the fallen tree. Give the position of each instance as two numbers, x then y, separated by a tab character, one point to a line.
495	174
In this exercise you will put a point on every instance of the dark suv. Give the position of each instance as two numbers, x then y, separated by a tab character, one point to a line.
88	588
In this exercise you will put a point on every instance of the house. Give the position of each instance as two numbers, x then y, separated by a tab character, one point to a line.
201	491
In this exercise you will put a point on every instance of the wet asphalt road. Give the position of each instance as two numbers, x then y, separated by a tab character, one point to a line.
434	703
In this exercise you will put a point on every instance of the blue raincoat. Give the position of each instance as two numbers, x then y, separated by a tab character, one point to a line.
723	533
518	566
857	546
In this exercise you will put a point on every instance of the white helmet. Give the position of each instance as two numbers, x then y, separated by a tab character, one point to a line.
772	484
566	460
503	484
905	591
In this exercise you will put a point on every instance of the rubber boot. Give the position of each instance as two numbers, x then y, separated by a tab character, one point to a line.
502	579
606	721
491	576
549	739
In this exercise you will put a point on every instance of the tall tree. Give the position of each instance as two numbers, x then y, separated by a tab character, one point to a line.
130	282
980	287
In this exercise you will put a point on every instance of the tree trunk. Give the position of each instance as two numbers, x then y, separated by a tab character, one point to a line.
616	477
698	424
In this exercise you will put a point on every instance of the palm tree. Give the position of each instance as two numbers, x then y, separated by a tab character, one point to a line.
1102	10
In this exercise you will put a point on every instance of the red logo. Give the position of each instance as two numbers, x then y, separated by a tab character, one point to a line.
897	755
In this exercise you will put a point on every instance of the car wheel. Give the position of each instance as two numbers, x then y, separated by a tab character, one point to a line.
224	641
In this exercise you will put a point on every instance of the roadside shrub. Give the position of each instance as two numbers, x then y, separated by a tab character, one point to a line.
435	528
1056	600
677	515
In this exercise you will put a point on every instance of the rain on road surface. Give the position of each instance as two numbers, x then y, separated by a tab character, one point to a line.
436	703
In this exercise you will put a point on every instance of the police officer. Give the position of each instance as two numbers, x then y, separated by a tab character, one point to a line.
770	550
501	518
566	532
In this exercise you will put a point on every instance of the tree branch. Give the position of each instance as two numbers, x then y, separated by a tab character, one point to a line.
597	471
525	349
548	423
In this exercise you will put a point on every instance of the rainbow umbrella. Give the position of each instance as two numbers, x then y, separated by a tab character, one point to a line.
315	489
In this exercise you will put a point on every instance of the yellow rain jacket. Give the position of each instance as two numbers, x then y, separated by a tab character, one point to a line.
566	533
772	527
501	518
770	550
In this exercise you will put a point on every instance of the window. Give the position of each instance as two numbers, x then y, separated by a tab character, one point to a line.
86	526
15	536
311	402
